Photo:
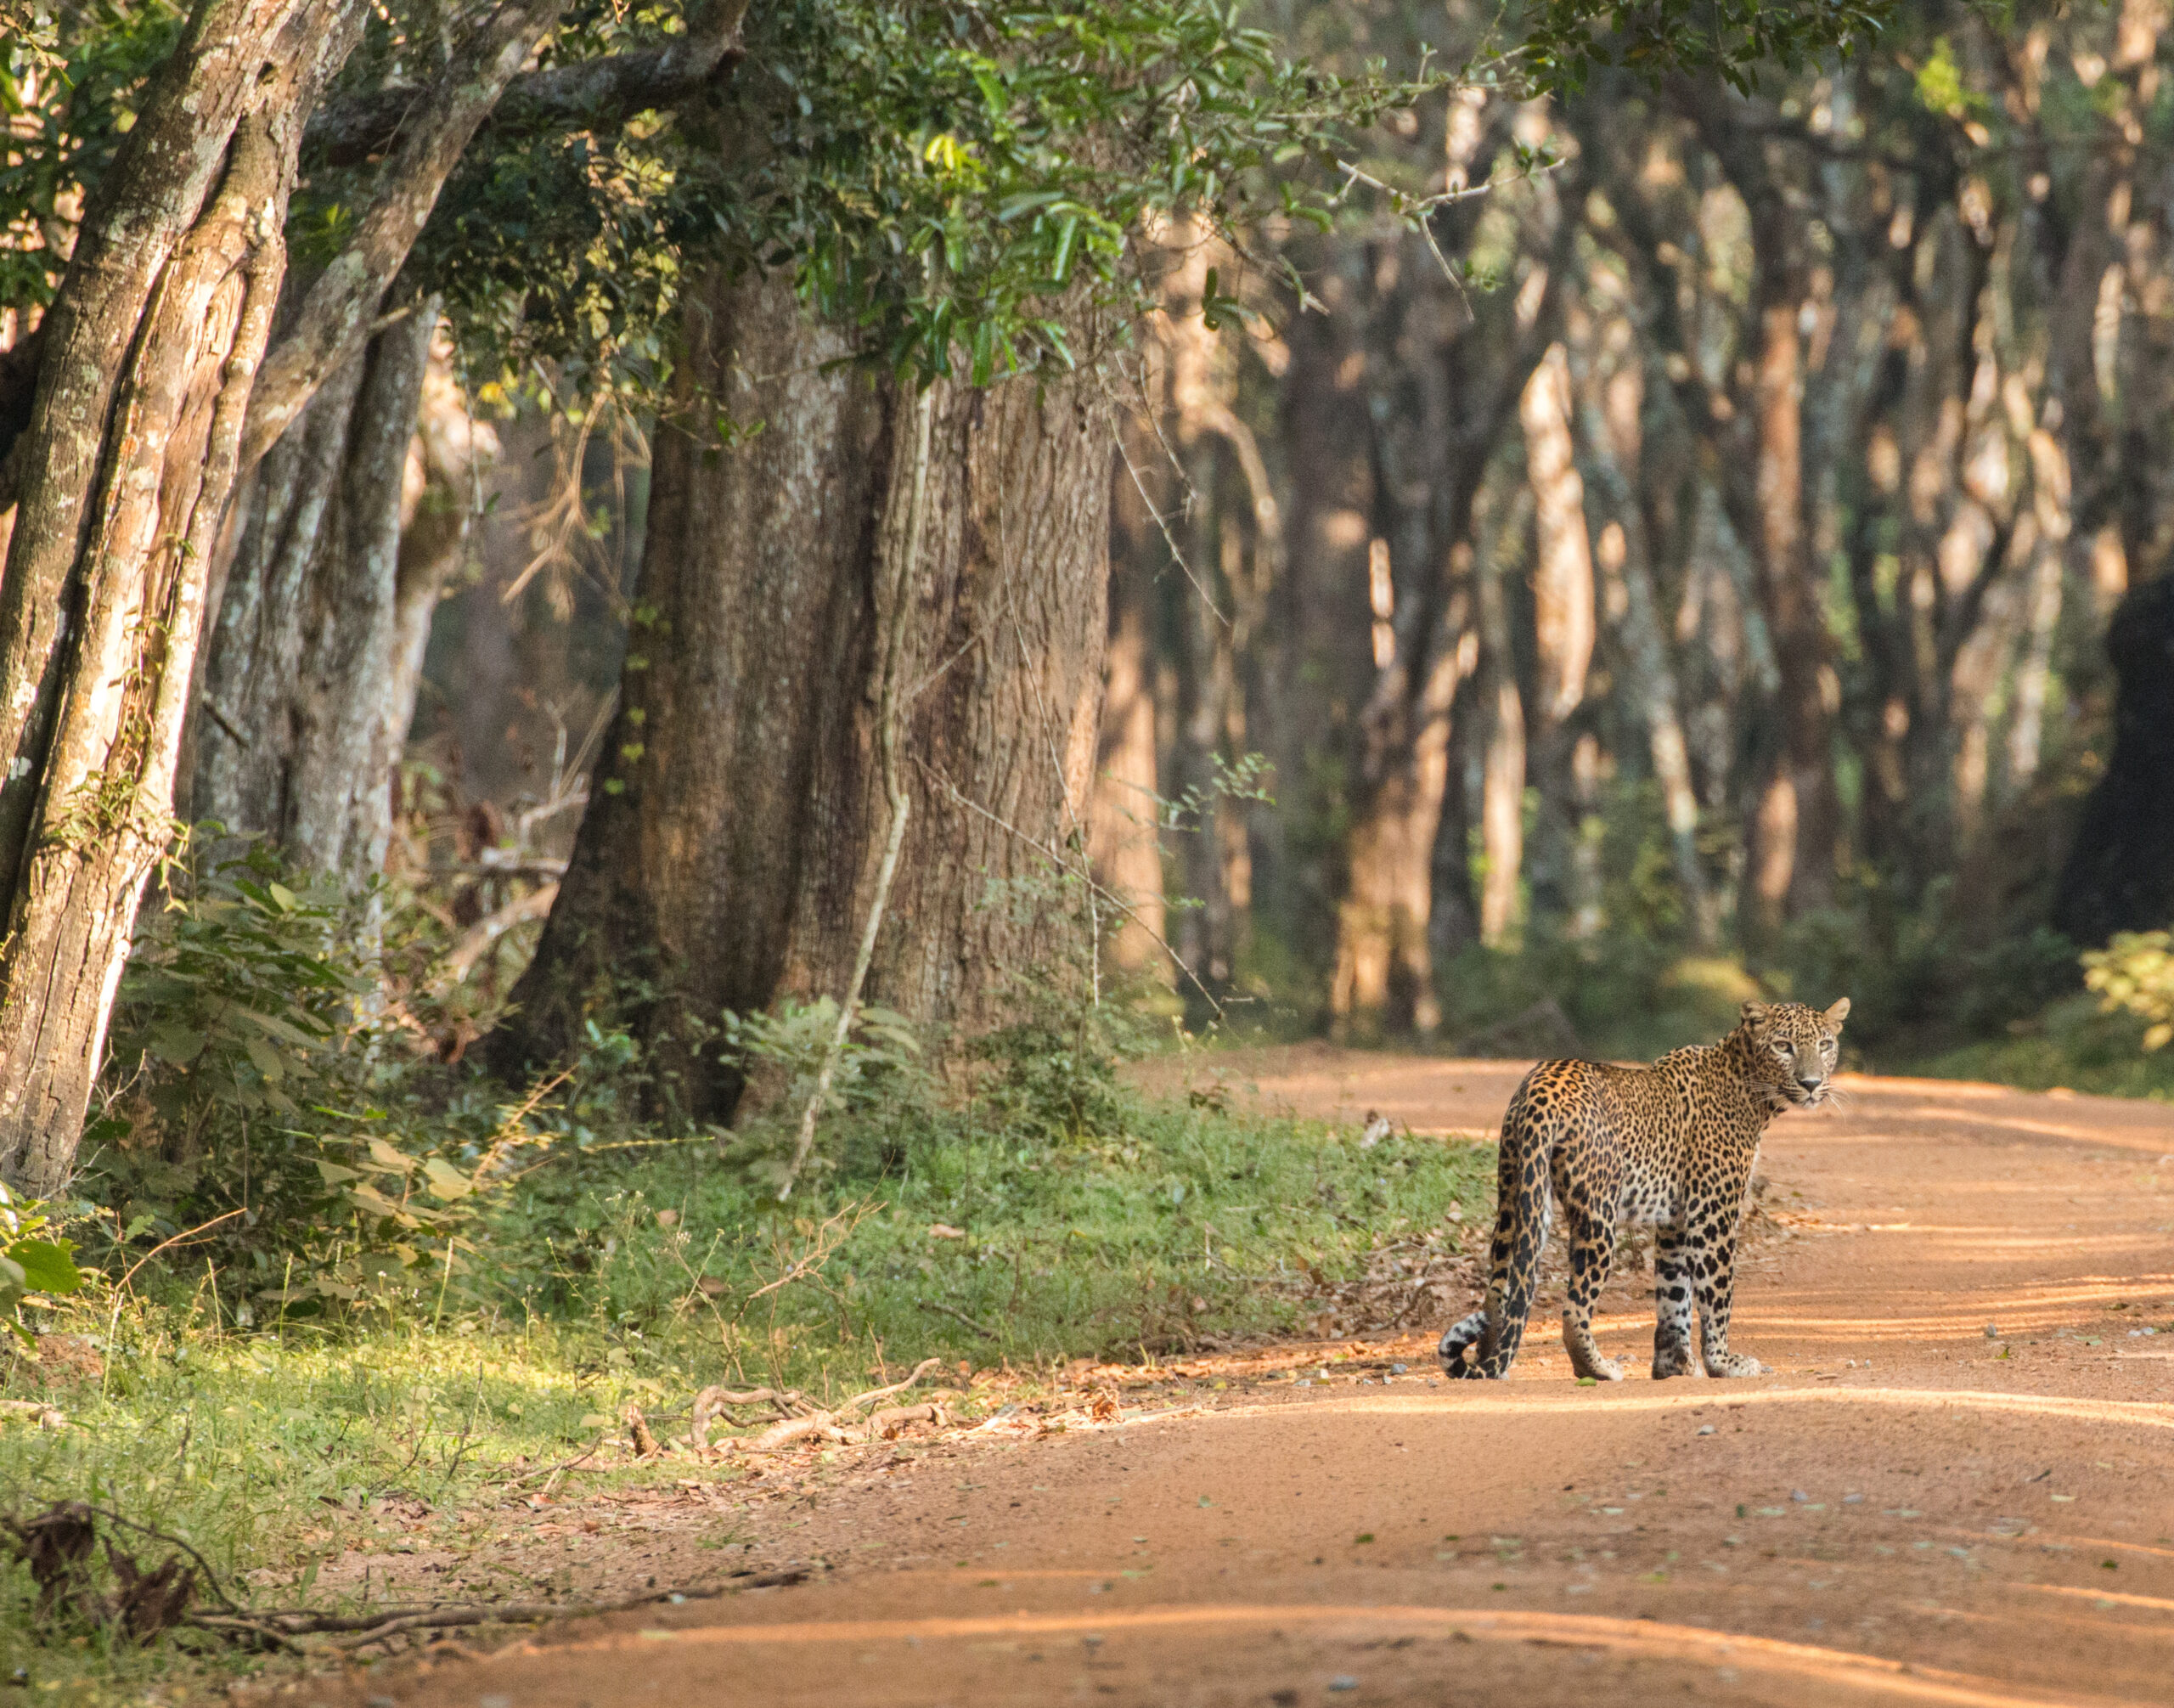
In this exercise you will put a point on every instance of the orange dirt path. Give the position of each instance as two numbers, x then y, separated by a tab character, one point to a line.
1908	1510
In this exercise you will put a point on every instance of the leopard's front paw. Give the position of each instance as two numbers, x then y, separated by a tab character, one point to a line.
1673	1360
1735	1364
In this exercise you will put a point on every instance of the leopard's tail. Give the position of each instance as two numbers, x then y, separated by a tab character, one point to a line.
1524	1201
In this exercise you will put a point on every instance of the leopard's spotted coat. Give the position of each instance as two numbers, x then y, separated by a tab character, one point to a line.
1671	1145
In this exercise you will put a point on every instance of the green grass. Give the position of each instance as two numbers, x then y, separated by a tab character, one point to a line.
597	1285
1188	1223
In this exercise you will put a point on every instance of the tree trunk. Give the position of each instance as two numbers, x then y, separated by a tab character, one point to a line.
2121	875
730	852
133	449
316	649
1503	788
1122	841
1315	658
1445	376
149	406
1796	818
1611	433
1562	629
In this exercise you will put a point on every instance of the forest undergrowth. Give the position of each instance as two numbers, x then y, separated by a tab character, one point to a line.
333	1291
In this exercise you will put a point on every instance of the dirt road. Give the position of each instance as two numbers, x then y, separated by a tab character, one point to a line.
1957	1485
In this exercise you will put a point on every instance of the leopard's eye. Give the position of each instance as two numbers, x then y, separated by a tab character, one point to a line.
1780	1047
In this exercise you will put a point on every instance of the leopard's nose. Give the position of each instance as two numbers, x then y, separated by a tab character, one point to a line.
1812	1084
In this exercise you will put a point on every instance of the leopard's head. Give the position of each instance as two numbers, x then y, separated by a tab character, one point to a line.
1789	1049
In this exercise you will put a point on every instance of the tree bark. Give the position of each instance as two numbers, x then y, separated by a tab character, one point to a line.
730	852
1314	661
1563	628
1122	841
146	412
1503	788
309	678
1446	374
1611	433
134	441
1797	819
2120	875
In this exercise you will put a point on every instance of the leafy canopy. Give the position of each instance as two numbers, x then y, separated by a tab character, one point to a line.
963	181
1565	40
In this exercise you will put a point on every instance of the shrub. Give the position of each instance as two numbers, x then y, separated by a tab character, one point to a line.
2135	973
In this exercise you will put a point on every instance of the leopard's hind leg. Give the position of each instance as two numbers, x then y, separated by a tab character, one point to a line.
1589	1203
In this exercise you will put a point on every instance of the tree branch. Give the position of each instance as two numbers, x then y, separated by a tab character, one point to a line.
596	93
336	316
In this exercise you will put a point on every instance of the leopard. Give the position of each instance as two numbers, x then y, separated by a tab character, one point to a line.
1670	1147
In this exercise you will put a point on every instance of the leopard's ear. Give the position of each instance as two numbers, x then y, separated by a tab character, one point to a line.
1755	1014
1836	1016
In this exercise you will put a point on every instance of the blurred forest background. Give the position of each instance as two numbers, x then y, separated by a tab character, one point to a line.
1732	593
1710	581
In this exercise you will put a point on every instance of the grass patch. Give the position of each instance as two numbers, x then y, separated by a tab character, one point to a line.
1190	1225
602	1283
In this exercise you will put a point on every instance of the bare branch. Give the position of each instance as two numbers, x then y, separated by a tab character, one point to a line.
433	133
594	94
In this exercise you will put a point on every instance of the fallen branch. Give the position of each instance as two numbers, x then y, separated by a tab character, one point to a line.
554	1471
352	1630
712	1401
919	1370
832	1425
795	1430
882	1423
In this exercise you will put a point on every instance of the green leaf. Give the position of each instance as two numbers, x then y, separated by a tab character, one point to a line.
446	1180
390	1159
284	896
285	1030
1012	206
46	1265
174	1043
265	1058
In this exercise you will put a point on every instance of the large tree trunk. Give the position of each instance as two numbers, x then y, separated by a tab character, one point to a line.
1562	632
1314	661
309	680
1502	788
2121	875
1797	818
1445	375
149	406
149	356
730	853
1608	415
